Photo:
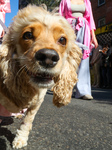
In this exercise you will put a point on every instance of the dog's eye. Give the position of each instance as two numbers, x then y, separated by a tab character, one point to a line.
62	40
27	35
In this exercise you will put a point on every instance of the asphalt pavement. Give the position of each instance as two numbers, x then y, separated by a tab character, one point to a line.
81	125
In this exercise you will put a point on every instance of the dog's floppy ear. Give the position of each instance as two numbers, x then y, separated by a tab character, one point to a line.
65	82
7	51
7	48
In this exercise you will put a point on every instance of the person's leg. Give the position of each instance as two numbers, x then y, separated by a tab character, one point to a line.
108	77
98	74
95	75
83	86
104	76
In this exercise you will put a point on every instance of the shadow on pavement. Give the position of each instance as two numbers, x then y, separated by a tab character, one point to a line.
103	96
2	144
5	132
6	121
8	135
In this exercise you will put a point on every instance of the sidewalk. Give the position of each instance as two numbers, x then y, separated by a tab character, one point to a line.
102	95
81	125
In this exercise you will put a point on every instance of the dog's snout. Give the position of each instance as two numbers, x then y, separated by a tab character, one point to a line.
47	57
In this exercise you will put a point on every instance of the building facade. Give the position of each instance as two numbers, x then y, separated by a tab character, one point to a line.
102	12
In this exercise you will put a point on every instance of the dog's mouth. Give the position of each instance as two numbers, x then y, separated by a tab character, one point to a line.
43	78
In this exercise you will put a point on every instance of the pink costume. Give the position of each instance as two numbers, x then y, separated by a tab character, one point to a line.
65	10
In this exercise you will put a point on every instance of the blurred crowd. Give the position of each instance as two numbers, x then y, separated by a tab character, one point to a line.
101	66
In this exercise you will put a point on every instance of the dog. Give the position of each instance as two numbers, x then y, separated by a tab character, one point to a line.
38	53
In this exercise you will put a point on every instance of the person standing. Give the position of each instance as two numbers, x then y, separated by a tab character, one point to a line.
79	14
106	66
95	62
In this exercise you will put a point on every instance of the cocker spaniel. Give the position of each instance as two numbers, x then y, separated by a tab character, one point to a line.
38	52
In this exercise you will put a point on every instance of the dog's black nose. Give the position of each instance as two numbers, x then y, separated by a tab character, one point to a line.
47	57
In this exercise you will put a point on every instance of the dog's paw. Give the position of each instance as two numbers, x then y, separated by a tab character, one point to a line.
19	142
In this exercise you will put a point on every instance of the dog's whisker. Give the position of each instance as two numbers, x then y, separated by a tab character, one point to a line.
14	61
27	52
20	71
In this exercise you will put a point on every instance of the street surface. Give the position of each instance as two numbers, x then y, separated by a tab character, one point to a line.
82	125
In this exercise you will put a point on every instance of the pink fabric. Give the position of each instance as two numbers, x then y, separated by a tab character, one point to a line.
4	112
4	8
79	24
65	11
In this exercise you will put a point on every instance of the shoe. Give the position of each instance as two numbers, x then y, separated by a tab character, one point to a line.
87	97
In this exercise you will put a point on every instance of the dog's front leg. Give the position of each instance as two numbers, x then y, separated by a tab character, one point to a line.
22	134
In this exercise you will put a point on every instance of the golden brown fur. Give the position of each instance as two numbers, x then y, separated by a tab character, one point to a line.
20	71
